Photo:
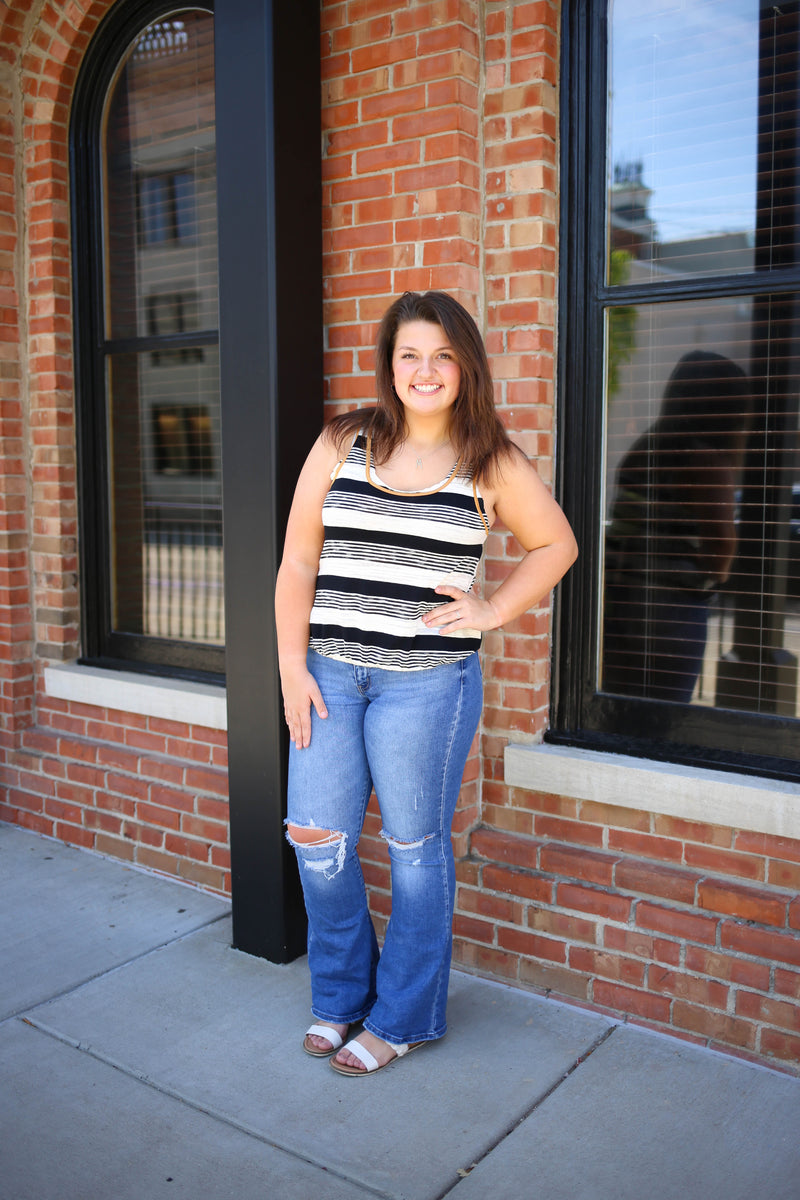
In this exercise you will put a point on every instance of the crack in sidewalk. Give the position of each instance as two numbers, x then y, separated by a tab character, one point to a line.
104	972
204	1109
528	1112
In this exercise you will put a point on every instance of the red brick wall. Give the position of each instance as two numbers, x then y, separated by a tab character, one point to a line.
402	194
520	201
688	927
16	666
440	170
144	790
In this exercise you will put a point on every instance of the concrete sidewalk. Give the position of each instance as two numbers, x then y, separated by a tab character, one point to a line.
141	1057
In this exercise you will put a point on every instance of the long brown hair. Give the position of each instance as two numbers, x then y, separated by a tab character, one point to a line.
476	431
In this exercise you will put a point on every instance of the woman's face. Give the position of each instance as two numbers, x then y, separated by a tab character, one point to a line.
425	369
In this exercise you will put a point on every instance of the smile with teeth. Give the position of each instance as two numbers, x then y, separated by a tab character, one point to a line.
427	388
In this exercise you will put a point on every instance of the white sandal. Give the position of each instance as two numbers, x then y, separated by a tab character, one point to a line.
369	1061
325	1031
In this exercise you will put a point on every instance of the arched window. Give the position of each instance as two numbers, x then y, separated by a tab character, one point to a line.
145	284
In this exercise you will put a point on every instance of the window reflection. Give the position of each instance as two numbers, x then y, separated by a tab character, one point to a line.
166	514
686	181
173	312
167	210
182	439
701	602
703	180
671	537
160	175
162	364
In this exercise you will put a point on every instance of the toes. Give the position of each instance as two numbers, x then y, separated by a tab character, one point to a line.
375	1046
323	1044
350	1060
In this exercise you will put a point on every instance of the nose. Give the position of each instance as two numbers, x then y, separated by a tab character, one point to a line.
426	366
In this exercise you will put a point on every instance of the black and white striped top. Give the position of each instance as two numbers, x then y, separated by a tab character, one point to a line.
384	553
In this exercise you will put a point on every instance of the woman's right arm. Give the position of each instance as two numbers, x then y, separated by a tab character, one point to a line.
294	591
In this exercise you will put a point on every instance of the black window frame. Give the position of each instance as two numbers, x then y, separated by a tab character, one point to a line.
581	715
102	645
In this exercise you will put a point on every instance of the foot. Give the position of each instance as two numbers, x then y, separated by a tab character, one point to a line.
324	1045
379	1050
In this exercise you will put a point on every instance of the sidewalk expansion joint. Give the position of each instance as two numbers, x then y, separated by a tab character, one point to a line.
206	1110
528	1112
107	971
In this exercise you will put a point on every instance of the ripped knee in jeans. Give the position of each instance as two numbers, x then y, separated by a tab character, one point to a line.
399	849
318	850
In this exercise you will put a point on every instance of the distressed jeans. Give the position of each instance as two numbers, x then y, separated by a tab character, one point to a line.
408	734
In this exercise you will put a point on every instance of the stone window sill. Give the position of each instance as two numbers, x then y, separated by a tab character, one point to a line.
147	695
744	802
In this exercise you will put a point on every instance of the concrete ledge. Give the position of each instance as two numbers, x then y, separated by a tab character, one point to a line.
147	695
718	797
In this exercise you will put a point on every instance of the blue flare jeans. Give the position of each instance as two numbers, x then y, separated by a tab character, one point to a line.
408	734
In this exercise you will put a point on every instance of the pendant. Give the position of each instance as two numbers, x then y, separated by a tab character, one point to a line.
419	464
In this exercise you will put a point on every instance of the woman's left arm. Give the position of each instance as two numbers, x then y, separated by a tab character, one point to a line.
524	505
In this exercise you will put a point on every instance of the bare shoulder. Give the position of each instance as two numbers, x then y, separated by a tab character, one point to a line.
336	439
324	455
343	430
315	477
511	474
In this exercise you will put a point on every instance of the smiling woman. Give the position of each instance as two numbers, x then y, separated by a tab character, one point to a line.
426	379
378	633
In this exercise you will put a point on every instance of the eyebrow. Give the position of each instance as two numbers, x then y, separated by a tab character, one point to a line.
446	346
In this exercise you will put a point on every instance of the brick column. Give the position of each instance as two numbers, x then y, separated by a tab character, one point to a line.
520	125
16	667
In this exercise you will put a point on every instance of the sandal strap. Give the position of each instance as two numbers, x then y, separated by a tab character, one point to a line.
367	1060
331	1035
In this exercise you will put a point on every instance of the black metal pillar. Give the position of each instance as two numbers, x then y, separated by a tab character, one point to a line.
270	246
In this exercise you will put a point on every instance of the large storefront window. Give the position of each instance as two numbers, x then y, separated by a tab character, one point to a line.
147	291
689	267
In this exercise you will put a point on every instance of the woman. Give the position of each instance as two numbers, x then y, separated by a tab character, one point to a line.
672	538
378	632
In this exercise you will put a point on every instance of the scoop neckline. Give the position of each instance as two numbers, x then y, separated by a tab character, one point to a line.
375	481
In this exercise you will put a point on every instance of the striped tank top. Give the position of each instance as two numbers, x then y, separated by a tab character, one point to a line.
383	554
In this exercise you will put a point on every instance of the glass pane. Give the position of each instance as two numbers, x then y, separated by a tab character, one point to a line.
160	182
165	495
701	565
702	169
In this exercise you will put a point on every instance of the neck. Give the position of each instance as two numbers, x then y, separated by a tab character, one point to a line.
424	438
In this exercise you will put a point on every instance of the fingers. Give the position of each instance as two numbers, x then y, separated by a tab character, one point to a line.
318	702
299	723
448	614
466	611
298	714
450	625
460	614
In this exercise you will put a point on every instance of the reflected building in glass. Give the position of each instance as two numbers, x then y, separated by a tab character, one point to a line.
701	198
161	341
